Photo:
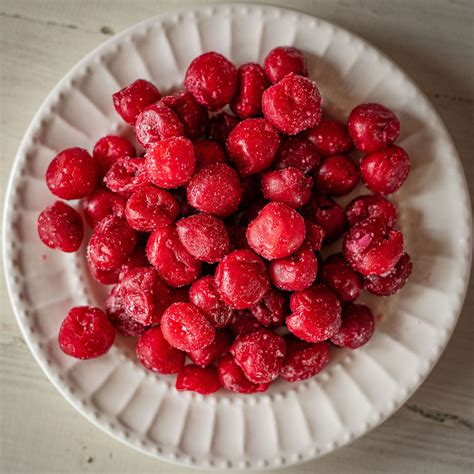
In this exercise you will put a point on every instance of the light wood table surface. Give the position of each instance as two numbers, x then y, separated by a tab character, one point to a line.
431	40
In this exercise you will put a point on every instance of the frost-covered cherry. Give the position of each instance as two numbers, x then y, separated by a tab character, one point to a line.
127	175
336	176
203	380
357	327
330	137
219	346
371	205
102	203
233	378
341	278
391	282
299	153
111	148
282	60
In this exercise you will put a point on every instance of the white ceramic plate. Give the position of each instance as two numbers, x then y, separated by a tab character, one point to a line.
291	422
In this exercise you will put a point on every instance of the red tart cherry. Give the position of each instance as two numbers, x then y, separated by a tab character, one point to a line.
385	171
111	148
233	379
127	175
289	186
72	174
314	235
336	176
296	272
168	255
282	60
157	122
292	105
60	227
371	248
149	208
205	190
86	333
391	282
372	205
192	115
221	125
102	203
316	314
144	295
271	310
112	242
170	163
357	327
303	360
204	236
252	81
203	380
208	152
241	279
204	295
219	346
156	354
260	355
252	146
106	277
277	232
298	153
341	278
330	137
373	127
131	100
212	80
185	327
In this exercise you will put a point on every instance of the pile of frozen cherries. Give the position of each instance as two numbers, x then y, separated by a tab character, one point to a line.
211	231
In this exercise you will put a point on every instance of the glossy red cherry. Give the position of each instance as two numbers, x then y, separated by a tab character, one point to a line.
233	379
336	176
391	282
203	380
341	278
330	137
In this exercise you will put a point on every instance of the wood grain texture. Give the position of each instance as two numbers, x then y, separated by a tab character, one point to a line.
431	40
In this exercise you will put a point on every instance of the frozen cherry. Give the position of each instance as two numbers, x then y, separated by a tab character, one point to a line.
241	279
205	190
296	272
372	248
144	294
208	152
121	321
72	174
277	232
203	380
341	278
168	255
391	282
106	277
137	259
220	345
149	208
314	235
243	322
131	100
170	163
330	137
125	176
271	310
112	242
252	146
329	215
86	333
373	127
292	105
102	203
260	355
60	227
298	153
111	148
154	353
204	295
212	79
252	81
185	327
372	205
357	327
221	125
192	115
232	377
337	175
316	314
303	360
157	122
204	236
282	60
289	186
385	171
